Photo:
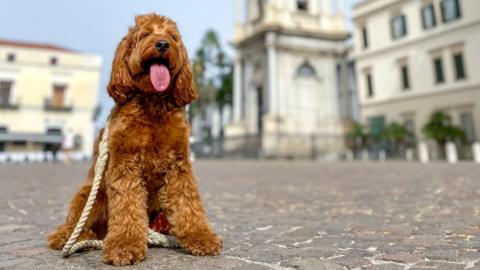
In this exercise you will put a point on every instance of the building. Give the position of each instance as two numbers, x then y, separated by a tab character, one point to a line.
417	57
46	91
290	96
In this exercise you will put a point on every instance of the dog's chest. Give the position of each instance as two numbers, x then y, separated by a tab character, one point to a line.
155	142
167	143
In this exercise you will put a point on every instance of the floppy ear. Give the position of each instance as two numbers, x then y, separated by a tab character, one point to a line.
184	91
120	81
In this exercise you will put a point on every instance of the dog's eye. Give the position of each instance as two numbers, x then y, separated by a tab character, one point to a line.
175	38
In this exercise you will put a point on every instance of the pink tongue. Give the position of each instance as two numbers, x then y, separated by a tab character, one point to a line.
160	77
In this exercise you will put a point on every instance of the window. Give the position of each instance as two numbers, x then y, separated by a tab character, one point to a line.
399	27
365	37
405	77
302	5
54	131
468	126
428	17
368	78
450	10
19	143
5	92
58	96
438	66
3	130
459	66
54	61
11	57
306	71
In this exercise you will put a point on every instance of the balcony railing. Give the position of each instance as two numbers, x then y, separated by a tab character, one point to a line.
49	106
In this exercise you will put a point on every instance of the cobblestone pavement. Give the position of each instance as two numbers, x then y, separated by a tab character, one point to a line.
278	215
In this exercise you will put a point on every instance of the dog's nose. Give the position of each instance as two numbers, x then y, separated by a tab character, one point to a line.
162	45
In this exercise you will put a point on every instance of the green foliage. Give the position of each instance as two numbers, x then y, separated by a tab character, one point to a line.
224	93
213	72
396	133
441	129
213	75
358	136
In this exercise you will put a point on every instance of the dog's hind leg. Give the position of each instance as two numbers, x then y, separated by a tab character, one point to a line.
58	238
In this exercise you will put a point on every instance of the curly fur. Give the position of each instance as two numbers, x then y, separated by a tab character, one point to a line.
149	170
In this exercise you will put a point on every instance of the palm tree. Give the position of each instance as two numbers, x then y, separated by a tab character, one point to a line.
224	93
204	62
441	129
213	74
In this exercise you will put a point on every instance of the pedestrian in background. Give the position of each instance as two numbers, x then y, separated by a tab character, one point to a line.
68	143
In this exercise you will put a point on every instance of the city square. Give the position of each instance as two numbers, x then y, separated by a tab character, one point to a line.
324	134
277	215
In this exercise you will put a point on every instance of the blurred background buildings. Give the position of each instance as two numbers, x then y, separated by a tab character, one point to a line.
319	79
415	58
293	95
45	91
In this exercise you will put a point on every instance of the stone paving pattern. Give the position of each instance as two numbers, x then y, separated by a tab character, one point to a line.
277	215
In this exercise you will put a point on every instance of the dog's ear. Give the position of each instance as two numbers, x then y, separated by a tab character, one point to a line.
184	91
121	83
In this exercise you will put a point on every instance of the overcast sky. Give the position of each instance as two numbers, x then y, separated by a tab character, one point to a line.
96	26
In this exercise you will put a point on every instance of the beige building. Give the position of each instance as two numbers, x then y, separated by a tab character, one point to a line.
45	92
288	86
416	57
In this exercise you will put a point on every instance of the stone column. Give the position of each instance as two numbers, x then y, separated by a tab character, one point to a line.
476	152
237	89
340	7
423	154
237	9
272	72
382	155
409	155
325	7
452	154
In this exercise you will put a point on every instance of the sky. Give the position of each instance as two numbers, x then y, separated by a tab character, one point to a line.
96	26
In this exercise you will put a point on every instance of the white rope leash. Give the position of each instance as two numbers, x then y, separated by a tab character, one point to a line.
154	238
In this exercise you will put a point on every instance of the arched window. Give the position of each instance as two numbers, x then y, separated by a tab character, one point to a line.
302	5
306	71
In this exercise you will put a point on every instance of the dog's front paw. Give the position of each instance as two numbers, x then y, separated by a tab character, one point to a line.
123	255
202	244
58	238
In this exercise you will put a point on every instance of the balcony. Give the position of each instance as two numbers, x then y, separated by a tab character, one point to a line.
49	106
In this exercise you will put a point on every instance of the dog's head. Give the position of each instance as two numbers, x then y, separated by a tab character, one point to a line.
151	59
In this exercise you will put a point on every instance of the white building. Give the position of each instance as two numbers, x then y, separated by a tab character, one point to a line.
416	57
290	96
46	91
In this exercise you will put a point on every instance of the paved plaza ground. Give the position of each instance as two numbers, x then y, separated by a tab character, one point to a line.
277	215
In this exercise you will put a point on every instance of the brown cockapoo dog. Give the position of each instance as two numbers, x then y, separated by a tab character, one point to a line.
148	170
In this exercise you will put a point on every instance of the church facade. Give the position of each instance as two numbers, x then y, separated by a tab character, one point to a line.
294	89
